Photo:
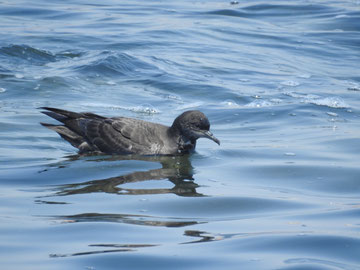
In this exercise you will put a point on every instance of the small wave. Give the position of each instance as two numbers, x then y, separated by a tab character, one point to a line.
228	12
273	10
173	97
112	64
353	86
145	109
5	72
287	9
230	104
341	16
300	95
304	75
302	263
69	54
192	105
290	83
28	54
259	104
332	102
332	114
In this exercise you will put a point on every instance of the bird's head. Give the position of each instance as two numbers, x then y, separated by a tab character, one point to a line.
193	125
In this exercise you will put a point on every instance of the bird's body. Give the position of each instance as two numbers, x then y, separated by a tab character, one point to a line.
121	135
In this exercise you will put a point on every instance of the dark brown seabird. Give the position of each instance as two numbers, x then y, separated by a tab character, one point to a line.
90	132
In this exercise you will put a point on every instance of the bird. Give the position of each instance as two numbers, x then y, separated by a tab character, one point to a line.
93	133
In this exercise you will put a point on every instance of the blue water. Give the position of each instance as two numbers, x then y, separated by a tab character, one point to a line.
280	83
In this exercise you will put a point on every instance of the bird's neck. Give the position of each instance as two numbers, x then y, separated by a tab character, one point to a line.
183	144
186	146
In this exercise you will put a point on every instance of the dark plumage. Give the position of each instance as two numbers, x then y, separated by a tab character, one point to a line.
120	135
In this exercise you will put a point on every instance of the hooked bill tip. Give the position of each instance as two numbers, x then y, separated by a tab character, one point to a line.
210	136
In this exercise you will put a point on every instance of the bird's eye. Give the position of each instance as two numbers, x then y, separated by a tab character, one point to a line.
196	125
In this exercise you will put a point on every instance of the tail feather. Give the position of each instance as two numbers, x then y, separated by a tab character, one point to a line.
70	136
73	128
59	114
56	116
64	115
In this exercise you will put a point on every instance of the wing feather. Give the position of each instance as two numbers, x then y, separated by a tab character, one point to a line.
119	135
138	132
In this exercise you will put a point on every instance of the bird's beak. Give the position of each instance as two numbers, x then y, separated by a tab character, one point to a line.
209	135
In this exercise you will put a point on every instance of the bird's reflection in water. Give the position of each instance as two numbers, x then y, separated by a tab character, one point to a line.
115	248
176	169
143	220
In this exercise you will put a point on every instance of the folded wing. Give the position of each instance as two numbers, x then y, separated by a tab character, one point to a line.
91	132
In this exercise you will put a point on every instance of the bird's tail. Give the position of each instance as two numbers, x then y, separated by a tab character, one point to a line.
64	115
70	136
59	114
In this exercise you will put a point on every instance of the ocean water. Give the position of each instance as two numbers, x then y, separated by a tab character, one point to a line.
280	83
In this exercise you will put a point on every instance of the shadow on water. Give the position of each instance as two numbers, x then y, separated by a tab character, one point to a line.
125	218
113	248
177	169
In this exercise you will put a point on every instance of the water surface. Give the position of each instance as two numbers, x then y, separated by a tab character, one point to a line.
280	84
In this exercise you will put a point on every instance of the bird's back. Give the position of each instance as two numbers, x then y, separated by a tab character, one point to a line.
118	135
142	137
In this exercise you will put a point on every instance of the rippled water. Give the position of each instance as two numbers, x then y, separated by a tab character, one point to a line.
280	84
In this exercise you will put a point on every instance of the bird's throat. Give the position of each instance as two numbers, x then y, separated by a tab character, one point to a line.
185	145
